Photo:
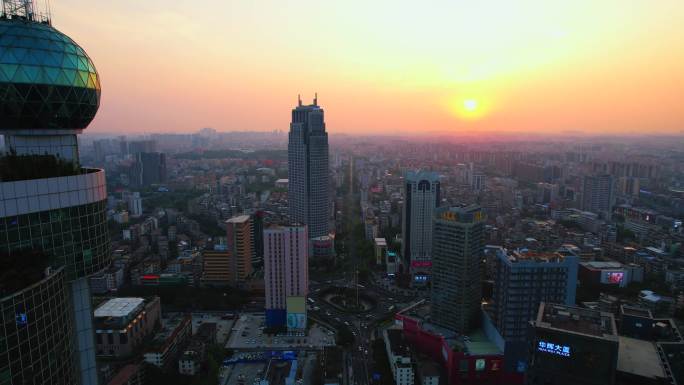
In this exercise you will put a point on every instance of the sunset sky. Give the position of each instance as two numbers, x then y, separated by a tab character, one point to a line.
410	67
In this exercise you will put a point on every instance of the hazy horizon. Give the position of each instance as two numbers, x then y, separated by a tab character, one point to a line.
442	68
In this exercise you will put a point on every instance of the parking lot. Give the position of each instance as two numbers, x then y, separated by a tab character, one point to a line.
247	333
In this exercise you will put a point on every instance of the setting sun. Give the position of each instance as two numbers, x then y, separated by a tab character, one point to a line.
523	66
470	104
470	108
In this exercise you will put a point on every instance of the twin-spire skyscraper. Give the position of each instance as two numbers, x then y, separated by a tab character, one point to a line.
307	160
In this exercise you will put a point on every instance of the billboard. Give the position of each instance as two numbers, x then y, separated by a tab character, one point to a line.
296	312
613	277
418	264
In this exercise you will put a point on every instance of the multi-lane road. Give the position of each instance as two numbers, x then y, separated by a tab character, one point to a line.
362	325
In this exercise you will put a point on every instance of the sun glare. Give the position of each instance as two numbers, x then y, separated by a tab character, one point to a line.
468	108
470	104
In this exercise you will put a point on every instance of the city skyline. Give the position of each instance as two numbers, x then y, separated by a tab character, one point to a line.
448	69
362	257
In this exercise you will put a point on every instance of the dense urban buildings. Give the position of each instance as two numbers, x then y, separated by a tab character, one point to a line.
457	251
232	256
307	159
53	211
422	196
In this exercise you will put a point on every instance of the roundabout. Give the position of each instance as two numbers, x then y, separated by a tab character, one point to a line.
348	300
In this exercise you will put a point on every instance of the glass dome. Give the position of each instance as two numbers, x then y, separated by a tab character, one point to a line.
46	80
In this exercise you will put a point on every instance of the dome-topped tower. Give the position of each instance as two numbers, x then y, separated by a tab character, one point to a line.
53	213
46	80
49	88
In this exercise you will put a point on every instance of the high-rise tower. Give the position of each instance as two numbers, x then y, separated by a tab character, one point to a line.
598	195
286	275
52	210
307	160
421	197
458	247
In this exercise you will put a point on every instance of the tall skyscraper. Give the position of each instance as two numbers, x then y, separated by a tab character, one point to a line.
307	160
521	282
240	247
421	197
598	194
458	248
286	274
52	210
149	169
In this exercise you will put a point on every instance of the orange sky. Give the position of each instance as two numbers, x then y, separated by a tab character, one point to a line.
608	66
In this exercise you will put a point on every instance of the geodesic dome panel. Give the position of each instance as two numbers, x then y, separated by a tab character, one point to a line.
46	80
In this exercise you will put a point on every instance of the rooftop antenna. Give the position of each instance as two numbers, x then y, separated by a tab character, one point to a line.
299	99
316	99
24	9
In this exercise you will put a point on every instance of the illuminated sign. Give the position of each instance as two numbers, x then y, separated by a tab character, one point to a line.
549	347
296	312
421	263
449	216
420	278
150	276
21	319
480	364
296	321
477	216
613	278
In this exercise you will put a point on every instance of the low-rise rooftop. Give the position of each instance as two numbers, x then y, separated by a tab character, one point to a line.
640	358
549	257
119	307
576	320
601	265
636	311
238	219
